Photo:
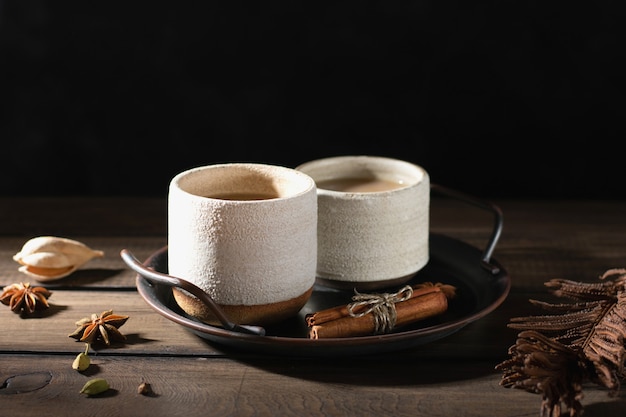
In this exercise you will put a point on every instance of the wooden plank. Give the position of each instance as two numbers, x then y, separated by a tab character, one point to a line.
147	331
109	272
83	216
218	386
571	240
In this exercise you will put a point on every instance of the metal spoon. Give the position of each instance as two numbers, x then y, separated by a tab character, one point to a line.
171	281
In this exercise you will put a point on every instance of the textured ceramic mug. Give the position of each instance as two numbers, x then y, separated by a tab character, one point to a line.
246	234
373	220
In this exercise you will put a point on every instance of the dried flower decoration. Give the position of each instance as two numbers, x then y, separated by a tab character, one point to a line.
100	328
24	298
580	341
48	258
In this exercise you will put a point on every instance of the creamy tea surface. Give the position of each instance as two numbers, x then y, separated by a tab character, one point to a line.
360	185
242	196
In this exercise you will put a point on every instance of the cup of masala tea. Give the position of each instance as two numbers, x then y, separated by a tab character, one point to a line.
373	220
246	234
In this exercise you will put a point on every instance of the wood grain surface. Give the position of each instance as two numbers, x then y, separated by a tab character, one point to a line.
190	376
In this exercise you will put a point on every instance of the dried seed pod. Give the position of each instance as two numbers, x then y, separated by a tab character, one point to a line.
81	362
48	258
145	389
24	298
95	386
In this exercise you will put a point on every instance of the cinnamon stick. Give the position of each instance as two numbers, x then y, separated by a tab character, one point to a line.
426	301
338	312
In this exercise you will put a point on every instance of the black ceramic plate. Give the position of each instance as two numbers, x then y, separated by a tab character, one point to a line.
480	290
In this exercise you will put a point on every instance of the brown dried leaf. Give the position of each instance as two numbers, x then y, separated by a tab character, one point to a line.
584	340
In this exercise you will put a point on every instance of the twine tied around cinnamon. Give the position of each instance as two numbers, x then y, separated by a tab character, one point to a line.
381	306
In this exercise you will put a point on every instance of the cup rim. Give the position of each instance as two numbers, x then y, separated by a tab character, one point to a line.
277	175
417	174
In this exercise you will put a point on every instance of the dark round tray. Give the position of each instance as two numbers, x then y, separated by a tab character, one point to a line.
481	288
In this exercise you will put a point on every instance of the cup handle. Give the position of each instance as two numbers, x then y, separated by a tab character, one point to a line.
497	226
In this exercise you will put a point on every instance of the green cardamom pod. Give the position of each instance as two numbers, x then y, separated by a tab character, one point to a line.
95	386
81	362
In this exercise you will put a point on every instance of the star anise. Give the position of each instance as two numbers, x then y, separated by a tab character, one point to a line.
24	298
103	327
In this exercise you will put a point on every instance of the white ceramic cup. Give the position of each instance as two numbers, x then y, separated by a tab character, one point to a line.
246	234
373	220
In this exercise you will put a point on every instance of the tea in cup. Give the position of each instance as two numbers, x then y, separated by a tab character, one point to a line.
246	234
373	220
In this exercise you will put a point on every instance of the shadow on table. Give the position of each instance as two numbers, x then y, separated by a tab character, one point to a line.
399	368
439	362
84	278
608	407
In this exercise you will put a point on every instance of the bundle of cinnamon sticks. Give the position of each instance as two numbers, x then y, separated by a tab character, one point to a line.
425	300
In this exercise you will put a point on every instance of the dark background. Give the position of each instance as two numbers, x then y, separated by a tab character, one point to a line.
500	99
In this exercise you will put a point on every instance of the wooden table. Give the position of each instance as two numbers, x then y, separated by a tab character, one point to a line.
190	376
